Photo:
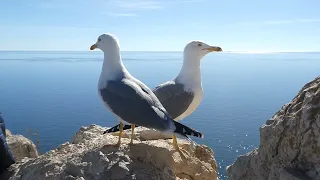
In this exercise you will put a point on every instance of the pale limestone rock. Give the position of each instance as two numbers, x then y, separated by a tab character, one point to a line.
91	155
8	132
21	147
289	142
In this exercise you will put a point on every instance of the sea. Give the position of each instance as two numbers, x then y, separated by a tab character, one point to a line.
49	95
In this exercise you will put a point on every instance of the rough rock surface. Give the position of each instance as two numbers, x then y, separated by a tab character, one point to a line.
8	132
289	142
92	155
21	147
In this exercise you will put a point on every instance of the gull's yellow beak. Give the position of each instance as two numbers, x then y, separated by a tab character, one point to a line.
93	47
213	48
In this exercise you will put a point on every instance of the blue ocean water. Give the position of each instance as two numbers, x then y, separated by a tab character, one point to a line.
54	93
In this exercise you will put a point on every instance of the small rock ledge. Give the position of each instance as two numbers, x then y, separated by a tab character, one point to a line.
21	146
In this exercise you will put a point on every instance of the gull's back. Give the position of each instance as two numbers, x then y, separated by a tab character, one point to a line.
135	103
173	96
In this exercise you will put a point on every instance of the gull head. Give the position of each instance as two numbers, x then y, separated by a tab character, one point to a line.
106	43
198	49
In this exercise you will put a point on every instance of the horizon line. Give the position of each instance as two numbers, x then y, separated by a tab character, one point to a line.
244	52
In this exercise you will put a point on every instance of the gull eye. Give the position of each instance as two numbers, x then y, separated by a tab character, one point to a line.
199	44
99	39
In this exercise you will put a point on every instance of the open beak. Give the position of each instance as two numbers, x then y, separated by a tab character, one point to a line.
213	48
93	47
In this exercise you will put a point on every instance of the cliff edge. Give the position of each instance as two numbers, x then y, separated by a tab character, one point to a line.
91	155
289	142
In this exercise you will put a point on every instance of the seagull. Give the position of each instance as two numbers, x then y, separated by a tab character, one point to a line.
183	94
128	99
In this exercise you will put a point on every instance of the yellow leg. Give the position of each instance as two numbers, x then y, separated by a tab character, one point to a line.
175	145
120	133
175	142
132	133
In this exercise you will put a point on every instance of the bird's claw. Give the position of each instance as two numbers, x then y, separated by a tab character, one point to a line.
182	153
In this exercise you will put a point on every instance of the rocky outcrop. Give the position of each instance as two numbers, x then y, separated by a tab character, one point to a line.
92	155
21	146
289	142
8	132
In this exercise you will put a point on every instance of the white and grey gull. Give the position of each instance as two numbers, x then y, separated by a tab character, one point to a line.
183	94
129	100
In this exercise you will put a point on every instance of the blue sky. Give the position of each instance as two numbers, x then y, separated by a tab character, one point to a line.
165	25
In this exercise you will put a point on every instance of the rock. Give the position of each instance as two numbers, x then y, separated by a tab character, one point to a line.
21	147
92	155
8	132
293	174
289	142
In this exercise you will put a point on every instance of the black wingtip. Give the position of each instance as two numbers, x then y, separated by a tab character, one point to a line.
113	129
117	128
201	135
184	130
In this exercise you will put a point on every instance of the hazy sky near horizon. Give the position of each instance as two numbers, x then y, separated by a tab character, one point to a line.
161	25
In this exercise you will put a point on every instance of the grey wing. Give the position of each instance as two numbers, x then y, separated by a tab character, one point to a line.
132	104
156	102
174	98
